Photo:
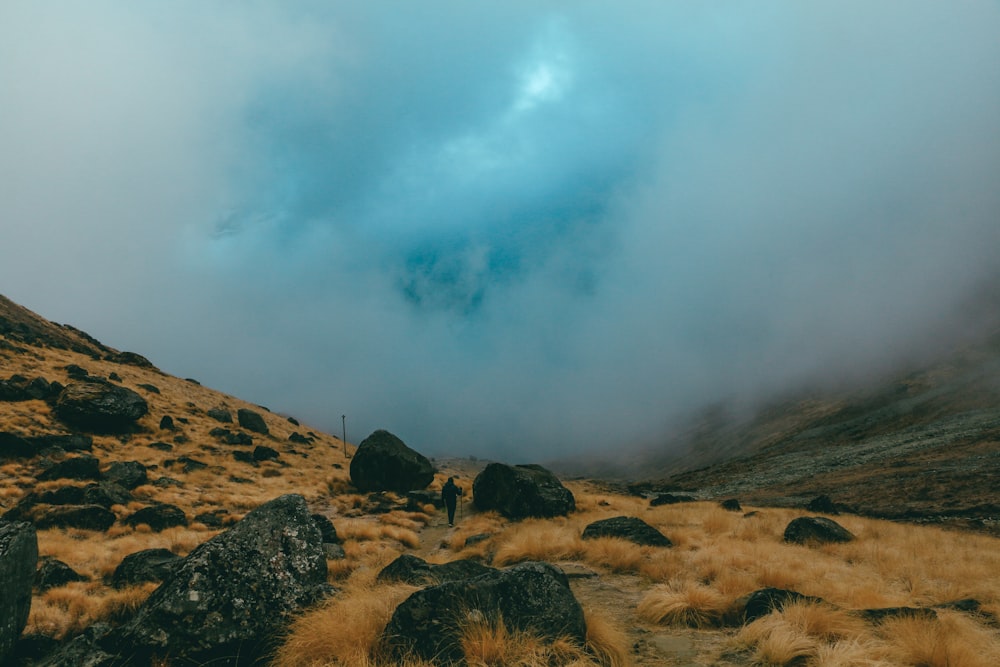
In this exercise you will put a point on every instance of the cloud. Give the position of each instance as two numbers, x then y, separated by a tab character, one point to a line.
524	231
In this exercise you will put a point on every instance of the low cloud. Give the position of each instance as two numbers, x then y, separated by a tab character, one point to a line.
522	232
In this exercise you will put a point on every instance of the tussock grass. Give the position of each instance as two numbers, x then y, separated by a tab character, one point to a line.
535	539
684	604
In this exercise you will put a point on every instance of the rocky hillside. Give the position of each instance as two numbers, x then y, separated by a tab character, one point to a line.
922	447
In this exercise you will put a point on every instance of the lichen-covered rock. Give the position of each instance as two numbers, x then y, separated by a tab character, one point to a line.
146	565
127	474
627	528
158	517
231	595
522	491
77	467
383	462
18	560
53	573
100	407
530	597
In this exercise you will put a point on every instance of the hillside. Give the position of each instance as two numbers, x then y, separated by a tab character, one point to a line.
888	597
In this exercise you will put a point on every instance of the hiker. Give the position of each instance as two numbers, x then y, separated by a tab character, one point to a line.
449	493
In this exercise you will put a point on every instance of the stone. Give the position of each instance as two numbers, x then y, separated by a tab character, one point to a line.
300	439
73	442
762	602
627	528
142	566
522	491
18	560
231	438
262	453
130	359
823	504
53	573
216	518
14	446
251	421
106	494
100	407
158	517
731	505
151	388
84	517
232	595
383	462
220	415
326	529
671	499
167	423
78	467
816	529
410	569
127	474
530	597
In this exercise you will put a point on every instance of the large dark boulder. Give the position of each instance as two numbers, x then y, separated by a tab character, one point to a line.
146	565
84	517
18	559
100	407
383	462
53	573
816	529
762	602
232	595
522	491
251	421
530	597
410	569
220	415
158	517
127	474
14	446
671	499
78	467
627	528
105	494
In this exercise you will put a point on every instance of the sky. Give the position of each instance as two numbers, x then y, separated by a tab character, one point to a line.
517	230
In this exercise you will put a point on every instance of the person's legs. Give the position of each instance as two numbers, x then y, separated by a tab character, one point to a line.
451	513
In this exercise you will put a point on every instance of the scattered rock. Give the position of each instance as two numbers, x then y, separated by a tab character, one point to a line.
293	421
162	446
816	529
522	491
233	594
383	462
18	559
163	482
130	359
167	423
53	573
73	442
114	377
231	438
84	517
244	457
822	504
530	597
762	602
158	517
127	474
106	494
326	528
190	465
262	453
627	528
31	649
75	371
14	446
220	415
671	499
151	388
79	467
216	518
252	421
297	438
877	616
100	407
416	571
142	566
731	505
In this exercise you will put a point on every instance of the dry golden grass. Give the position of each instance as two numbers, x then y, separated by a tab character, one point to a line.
683	604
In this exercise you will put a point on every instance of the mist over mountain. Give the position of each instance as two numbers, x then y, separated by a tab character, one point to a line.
527	229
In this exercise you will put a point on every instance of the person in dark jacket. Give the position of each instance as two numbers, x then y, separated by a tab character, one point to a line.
449	494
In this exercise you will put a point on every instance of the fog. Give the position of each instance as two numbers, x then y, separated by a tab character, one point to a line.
516	230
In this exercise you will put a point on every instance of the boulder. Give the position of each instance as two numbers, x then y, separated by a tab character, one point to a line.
14	446
100	407
167	423
262	453
816	529
151	388
671	499
232	595
220	415
127	474
19	388
78	467
410	569
105	494
159	517
18	559
130	359
142	566
85	517
53	573
823	504
251	421
522	491
326	529
216	518
383	462
627	528
73	442
530	597
731	505
230	438
762	602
